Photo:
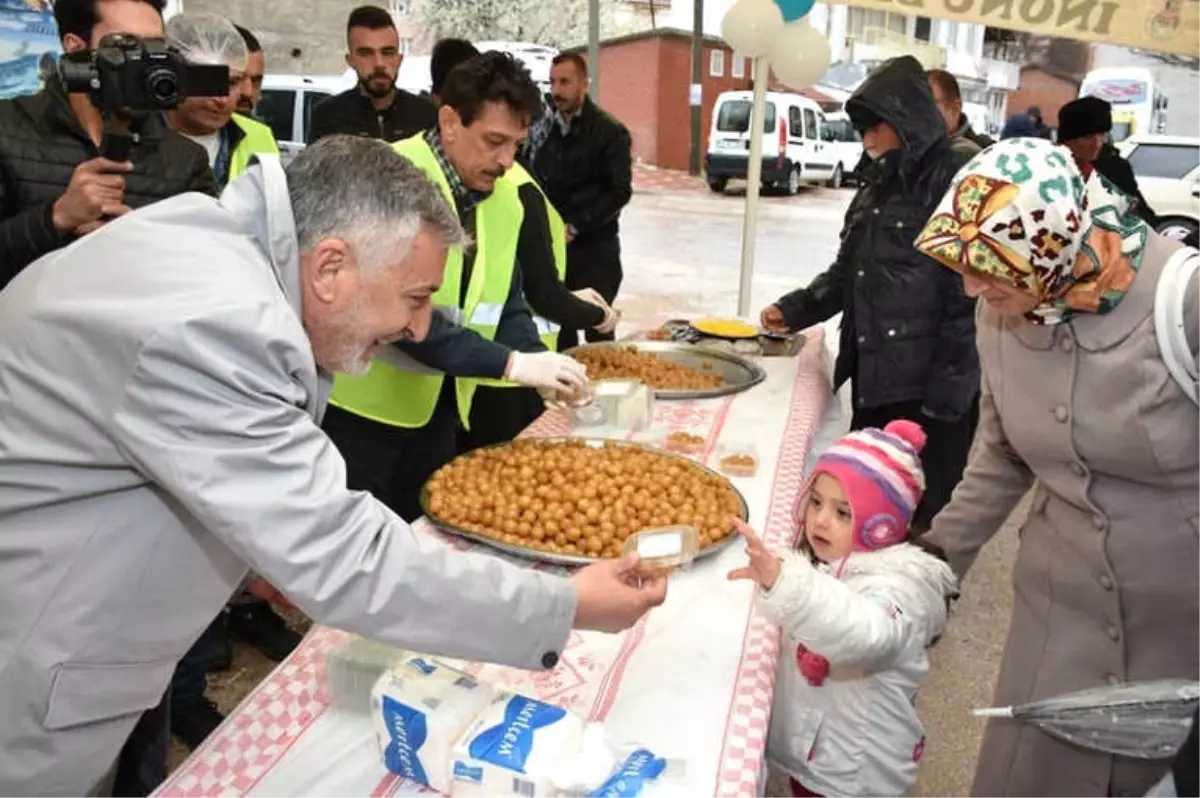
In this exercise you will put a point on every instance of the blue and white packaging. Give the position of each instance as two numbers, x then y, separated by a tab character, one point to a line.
633	776
514	748
419	710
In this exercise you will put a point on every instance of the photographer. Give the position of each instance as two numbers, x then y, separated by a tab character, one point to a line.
229	139
54	186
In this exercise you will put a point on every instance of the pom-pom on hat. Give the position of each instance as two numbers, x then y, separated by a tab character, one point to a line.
880	472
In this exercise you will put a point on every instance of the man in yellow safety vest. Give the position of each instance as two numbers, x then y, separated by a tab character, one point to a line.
398	423
501	410
230	139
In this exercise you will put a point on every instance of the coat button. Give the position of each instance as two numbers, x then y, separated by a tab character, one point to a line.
862	339
1113	680
891	333
1106	582
875	212
549	660
1067	344
1061	415
1099	522
1114	634
861	273
1078	470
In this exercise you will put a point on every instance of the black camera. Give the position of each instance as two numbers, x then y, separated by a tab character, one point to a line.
128	75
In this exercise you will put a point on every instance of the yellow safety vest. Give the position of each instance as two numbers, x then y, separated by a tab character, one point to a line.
403	399
257	139
547	330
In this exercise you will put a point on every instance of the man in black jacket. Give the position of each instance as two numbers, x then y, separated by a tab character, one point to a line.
585	167
948	97
375	107
54	186
1083	128
908	330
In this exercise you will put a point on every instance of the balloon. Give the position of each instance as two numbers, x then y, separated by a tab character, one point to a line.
793	10
751	25
799	55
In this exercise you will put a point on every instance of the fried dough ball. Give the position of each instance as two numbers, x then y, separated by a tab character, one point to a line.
567	497
609	363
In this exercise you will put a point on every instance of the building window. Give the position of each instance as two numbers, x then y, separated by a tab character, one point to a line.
716	63
399	8
406	45
737	69
924	29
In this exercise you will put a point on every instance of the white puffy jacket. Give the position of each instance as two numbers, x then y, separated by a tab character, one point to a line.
858	733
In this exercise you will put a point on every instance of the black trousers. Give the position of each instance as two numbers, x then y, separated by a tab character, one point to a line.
393	463
142	763
592	263
944	458
498	415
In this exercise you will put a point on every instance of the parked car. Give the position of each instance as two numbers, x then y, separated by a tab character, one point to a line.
844	141
1168	173
286	107
794	149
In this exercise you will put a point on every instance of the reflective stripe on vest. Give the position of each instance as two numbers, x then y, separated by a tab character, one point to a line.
547	330
257	139
404	399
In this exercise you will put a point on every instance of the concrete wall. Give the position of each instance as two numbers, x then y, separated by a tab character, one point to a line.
316	28
630	86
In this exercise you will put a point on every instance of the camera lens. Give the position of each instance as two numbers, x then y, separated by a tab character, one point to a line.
162	85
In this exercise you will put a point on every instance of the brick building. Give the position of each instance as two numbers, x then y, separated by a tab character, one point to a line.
644	80
1046	88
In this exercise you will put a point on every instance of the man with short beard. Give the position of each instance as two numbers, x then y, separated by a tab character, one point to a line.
256	69
375	107
163	385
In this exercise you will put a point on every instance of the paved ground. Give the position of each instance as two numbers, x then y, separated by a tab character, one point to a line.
681	251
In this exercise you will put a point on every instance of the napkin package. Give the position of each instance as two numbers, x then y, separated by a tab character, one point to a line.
419	709
513	749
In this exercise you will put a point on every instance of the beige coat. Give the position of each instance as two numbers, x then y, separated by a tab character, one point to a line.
1105	583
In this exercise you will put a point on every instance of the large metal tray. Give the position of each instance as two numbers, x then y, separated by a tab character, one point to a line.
537	555
740	373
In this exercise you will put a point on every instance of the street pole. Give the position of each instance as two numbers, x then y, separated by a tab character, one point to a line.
695	95
753	185
594	50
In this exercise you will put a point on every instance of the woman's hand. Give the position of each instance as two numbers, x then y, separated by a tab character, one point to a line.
772	320
764	566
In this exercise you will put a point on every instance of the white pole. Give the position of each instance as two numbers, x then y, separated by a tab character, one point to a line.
753	182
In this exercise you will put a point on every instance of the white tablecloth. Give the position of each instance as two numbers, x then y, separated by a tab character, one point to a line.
693	680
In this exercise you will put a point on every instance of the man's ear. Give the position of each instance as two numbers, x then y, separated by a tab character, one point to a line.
73	44
449	123
328	267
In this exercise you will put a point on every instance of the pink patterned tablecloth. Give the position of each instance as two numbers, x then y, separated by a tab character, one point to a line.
693	680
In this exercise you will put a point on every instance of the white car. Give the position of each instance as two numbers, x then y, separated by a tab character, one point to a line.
845	142
287	103
1168	173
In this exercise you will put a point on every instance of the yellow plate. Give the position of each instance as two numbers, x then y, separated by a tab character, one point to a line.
726	328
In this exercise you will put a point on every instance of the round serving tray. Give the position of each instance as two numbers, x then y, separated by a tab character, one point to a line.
539	555
740	373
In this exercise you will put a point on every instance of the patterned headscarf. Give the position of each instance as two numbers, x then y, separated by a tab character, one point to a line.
1021	212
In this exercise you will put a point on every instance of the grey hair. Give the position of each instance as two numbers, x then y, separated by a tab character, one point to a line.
362	191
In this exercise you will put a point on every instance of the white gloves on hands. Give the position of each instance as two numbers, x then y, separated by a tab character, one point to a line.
611	316
546	370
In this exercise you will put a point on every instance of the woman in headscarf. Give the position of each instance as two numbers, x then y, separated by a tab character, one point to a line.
1078	404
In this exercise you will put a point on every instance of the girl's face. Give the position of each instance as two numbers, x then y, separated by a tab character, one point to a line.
828	524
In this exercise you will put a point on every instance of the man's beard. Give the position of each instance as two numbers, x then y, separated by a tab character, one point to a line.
377	84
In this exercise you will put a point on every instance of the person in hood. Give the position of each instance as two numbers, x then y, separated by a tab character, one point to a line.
159	435
859	606
1040	129
1084	126
948	96
908	333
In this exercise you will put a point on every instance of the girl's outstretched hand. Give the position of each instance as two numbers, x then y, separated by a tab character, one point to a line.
764	566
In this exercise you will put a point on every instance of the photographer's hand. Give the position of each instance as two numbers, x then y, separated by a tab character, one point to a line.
96	190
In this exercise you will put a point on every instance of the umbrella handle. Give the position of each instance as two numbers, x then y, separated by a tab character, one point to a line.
993	712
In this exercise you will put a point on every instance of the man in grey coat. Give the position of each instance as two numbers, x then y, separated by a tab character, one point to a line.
161	384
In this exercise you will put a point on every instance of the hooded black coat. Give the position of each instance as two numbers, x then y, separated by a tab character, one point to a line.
908	329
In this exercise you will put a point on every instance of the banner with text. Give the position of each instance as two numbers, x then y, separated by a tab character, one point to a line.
1171	26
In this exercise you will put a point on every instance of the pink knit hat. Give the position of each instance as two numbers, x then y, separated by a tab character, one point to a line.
880	472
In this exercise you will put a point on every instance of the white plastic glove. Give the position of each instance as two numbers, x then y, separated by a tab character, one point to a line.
546	370
611	316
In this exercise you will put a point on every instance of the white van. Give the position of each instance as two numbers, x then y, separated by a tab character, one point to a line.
286	107
846	145
794	149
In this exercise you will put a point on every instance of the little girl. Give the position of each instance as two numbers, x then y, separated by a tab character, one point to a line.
858	606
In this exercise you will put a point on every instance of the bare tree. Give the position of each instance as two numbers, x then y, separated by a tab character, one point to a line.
1172	59
556	24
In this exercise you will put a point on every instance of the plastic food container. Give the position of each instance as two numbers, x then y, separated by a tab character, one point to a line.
626	404
737	460
664	548
683	443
